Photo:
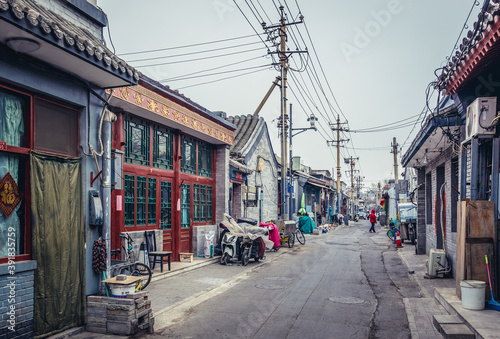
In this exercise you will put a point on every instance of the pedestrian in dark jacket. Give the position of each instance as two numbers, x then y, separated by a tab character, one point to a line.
373	220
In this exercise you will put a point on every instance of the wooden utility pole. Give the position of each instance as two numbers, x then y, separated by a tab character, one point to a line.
337	127
283	122
284	117
395	152
396	179
352	164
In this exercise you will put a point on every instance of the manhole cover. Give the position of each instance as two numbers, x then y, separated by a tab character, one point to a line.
346	300
270	287
278	278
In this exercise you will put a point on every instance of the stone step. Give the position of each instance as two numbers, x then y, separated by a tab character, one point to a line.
452	327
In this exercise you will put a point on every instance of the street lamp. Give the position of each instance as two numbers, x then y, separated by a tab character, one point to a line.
312	121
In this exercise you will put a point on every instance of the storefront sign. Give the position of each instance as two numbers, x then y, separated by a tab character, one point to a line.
9	195
157	104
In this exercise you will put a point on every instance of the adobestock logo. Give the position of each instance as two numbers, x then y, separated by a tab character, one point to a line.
364	36
223	6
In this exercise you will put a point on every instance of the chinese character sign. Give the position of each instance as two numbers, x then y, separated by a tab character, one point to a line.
9	195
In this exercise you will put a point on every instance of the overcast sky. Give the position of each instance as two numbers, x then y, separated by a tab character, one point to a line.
378	57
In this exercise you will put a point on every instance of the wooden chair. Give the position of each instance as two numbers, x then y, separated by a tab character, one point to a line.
157	256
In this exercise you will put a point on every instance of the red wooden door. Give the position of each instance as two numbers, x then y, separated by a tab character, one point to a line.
166	220
185	224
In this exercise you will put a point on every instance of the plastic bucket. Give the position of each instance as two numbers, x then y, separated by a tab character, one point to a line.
121	291
473	294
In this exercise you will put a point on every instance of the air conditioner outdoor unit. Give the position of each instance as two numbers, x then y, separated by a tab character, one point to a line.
479	116
438	264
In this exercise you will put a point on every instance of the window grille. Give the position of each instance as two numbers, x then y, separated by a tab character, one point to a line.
166	205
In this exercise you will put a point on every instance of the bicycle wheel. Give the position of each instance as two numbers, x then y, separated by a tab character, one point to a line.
141	270
300	237
390	235
291	240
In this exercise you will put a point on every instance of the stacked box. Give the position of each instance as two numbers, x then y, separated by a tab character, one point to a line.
129	316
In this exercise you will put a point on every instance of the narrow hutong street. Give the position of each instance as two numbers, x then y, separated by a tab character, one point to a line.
249	169
347	283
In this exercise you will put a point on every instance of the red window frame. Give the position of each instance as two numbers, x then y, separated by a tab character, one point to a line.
29	144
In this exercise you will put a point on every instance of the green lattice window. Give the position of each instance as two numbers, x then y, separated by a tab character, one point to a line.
151	201
163	149
209	203
136	142
141	200
185	205
203	208
188	151
196	202
204	160
129	192
166	205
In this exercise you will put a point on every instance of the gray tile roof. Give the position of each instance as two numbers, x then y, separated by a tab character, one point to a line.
245	127
46	23
478	50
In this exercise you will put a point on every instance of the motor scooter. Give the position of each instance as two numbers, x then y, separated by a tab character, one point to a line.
232	236
253	244
240	244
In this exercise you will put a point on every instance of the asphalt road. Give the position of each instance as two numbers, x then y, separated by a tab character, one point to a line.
344	284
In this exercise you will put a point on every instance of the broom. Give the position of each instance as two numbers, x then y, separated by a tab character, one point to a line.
492	304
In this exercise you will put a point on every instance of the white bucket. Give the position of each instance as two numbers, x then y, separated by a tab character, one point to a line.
473	294
121	291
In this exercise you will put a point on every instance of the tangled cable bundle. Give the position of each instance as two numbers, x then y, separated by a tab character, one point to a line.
99	256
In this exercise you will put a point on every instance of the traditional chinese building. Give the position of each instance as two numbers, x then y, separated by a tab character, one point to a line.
54	69
174	154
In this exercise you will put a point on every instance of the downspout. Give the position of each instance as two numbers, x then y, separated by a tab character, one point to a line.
109	118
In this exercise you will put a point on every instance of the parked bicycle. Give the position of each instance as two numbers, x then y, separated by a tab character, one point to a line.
391	233
299	235
130	266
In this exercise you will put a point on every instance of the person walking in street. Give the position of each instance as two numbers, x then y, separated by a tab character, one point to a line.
373	220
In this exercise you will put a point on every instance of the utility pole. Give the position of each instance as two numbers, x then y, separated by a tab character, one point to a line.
337	127
283	122
352	163
396	179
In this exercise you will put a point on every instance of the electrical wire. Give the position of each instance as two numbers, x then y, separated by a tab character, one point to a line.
241	11
203	58
212	69
218	73
193	53
188	46
231	77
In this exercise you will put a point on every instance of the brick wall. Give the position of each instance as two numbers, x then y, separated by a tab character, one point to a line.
267	181
17	300
71	15
237	202
450	240
222	183
421	224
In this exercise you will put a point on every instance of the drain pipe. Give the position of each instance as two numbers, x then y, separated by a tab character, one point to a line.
109	118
